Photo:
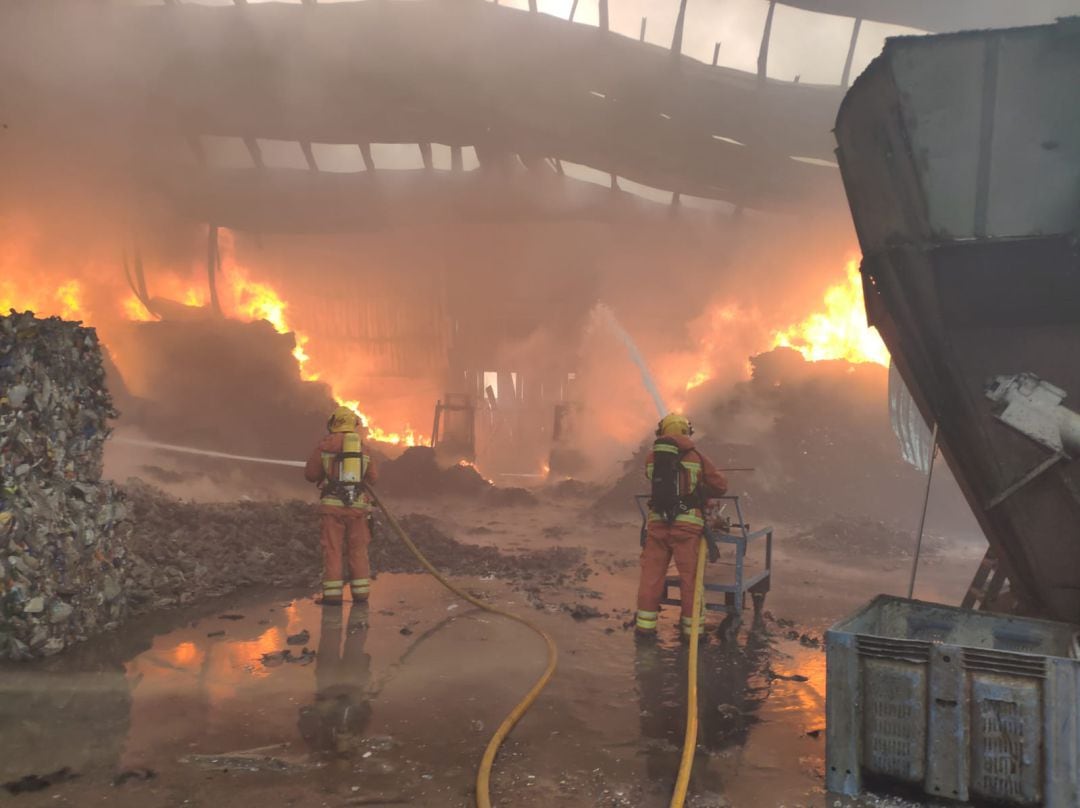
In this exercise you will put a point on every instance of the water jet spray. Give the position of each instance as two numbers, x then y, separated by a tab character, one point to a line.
608	317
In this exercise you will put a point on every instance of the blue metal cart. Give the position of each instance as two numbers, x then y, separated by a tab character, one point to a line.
738	534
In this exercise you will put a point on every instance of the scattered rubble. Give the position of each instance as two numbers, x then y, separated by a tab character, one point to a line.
273	758
551	567
299	639
39	782
854	538
275	658
510	498
62	529
581	611
128	775
186	551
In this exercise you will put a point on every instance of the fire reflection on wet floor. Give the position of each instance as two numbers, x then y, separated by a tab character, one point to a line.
387	700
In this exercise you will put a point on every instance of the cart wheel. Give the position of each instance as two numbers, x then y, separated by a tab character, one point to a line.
759	601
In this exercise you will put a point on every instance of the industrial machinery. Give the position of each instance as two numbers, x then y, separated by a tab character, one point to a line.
960	155
567	458
453	433
966	200
1033	407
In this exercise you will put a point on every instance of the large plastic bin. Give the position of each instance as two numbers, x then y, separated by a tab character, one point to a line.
962	705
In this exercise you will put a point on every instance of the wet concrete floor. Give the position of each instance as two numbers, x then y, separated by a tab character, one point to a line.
402	694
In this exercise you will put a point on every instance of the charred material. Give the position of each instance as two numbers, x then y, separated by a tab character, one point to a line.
185	552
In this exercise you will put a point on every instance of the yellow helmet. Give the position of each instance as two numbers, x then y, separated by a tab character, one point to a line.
343	420
674	424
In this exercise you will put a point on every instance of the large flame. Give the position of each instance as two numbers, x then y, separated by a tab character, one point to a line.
63	301
248	299
840	331
406	437
259	301
242	297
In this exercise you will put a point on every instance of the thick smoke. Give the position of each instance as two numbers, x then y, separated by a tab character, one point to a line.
398	315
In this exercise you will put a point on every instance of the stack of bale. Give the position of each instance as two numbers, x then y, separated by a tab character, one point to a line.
63	531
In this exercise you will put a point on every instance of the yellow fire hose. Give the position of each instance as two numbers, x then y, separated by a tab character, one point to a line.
686	764
483	775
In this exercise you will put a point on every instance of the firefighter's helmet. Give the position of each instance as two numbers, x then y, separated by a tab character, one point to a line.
674	424
343	419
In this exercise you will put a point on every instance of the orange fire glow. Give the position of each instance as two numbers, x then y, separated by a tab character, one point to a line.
242	298
185	655
720	321
406	437
63	301
252	300
247	299
840	331
134	310
97	296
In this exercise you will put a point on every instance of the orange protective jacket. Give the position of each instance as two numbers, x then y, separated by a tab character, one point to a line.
696	469
322	469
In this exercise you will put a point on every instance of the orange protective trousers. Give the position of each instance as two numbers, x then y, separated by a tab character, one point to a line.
345	529
662	542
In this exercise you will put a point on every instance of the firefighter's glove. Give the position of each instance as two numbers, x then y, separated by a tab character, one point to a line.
714	550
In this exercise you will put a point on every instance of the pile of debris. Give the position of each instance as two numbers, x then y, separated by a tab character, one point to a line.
232	364
62	529
182	552
417	473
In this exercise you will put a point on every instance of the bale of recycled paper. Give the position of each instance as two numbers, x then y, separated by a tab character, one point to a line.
63	530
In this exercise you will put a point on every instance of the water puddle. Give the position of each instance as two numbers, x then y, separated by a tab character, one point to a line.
401	696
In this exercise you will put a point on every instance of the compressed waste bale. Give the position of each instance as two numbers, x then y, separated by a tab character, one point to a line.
63	531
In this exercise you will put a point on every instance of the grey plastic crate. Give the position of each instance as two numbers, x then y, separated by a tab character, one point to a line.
963	705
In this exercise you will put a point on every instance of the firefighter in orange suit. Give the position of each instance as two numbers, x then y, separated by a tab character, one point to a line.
682	479
340	467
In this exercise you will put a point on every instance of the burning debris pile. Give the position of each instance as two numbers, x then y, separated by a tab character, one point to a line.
818	437
183	552
62	529
220	384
